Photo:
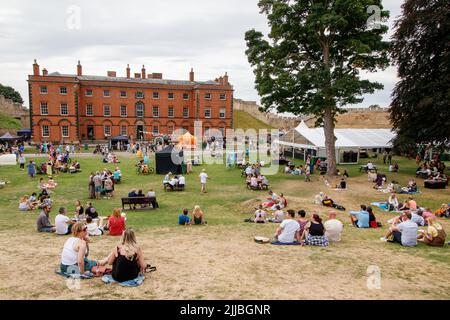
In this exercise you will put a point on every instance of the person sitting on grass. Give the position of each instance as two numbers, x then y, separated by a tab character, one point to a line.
393	202
272	197
260	215
302	221
116	223
198	216
127	260
93	227
404	233
333	227
43	221
435	234
372	219
75	252
443	211
51	184
91	211
404	206
314	233
360	219
24	204
288	231
253	183
63	224
183	219
278	215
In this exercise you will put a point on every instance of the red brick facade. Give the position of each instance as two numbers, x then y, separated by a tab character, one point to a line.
66	108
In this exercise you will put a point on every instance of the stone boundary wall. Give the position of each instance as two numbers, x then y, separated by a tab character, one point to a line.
355	117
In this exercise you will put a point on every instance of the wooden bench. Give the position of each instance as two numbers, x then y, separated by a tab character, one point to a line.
138	200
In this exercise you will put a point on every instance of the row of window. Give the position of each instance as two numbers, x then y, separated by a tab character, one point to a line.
140	111
137	94
45	130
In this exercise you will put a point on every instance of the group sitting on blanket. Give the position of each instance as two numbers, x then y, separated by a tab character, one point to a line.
431	170
274	201
257	182
405	231
176	182
126	259
308	232
110	158
50	184
27	203
252	169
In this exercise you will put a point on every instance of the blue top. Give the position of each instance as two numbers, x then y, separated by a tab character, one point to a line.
132	194
363	218
182	219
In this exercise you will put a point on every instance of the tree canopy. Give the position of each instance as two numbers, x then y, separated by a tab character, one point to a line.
10	93
310	62
420	110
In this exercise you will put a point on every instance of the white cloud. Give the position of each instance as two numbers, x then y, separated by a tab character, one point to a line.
167	36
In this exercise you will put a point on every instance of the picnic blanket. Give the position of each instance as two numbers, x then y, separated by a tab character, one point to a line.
278	243
130	283
382	205
84	276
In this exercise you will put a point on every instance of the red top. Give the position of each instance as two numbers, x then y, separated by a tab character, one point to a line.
116	226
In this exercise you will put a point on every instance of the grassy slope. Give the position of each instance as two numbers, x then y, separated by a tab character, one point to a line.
7	122
244	120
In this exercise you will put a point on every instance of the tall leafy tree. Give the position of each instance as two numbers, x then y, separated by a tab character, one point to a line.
420	110
310	62
10	93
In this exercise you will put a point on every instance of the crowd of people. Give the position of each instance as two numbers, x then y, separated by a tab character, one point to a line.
103	183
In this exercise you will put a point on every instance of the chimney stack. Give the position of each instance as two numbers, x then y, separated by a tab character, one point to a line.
79	69
191	75
128	72
44	72
143	72
137	75
225	79
111	74
36	71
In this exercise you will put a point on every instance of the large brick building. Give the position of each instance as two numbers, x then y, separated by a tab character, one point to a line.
77	107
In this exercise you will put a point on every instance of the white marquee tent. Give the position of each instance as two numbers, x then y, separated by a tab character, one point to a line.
348	144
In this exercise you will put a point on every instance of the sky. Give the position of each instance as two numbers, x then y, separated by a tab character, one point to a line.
167	36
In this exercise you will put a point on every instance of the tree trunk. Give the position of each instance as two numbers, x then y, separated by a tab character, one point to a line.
328	121
328	128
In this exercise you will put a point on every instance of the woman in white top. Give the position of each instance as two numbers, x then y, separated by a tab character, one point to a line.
393	202
74	255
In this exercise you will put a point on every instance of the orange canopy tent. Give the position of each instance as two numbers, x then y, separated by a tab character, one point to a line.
187	140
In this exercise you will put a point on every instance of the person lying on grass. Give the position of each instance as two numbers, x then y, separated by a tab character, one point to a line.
404	232
74	256
288	231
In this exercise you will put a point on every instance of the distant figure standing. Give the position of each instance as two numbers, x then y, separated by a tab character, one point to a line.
203	177
390	157
385	154
31	169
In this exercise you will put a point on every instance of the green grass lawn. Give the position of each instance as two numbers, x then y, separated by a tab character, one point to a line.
225	208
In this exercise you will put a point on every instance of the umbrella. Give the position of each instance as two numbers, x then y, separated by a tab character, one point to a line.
8	137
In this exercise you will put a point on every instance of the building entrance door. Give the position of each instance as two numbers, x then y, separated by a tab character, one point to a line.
90	132
140	132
